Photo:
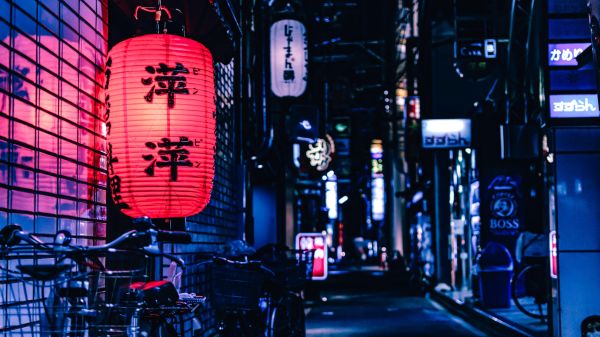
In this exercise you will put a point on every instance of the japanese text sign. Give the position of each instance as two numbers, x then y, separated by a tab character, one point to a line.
289	58
569	106
318	243
446	133
565	54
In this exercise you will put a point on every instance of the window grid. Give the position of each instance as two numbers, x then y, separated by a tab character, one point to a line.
52	143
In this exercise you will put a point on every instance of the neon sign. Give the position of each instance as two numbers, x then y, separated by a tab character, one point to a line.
565	54
569	106
319	153
553	255
377	182
331	195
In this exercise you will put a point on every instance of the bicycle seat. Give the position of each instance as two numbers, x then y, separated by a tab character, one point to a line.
155	293
44	272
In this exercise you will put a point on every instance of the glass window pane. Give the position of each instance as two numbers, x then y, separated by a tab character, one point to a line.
48	163
4	30
69	17
3	126
23	220
5	9
3	197
67	207
47	204
22	201
22	21
48	142
22	178
28	6
46	183
24	133
68	168
48	19
45	225
22	155
24	110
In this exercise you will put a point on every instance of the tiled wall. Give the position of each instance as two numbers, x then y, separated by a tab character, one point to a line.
221	221
52	144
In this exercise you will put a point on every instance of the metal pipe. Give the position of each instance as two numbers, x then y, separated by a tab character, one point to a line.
265	120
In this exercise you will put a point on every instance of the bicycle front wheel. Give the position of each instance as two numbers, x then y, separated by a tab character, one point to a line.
287	318
529	290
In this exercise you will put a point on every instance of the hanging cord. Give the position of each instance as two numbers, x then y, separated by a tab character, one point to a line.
157	15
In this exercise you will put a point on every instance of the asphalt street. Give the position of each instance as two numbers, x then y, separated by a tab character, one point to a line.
359	304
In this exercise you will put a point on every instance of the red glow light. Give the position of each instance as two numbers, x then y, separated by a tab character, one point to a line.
160	114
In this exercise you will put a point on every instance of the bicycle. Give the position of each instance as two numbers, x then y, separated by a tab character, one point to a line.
75	294
530	283
261	295
292	269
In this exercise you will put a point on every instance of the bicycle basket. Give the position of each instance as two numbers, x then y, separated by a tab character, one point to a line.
112	300
30	282
235	287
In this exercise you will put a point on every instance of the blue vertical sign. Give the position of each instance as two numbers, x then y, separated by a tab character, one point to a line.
573	88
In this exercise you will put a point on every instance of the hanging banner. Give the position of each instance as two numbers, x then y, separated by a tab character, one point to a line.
318	243
289	58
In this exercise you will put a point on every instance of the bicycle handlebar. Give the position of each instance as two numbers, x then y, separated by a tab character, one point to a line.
12	235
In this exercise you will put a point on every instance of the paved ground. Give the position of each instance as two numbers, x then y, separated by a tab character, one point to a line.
364	305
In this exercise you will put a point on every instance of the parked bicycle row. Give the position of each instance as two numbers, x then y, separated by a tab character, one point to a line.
58	288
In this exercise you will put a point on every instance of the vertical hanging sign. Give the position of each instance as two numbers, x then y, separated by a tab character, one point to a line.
377	183
289	58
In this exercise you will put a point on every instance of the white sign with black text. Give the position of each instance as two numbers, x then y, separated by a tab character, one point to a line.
446	133
289	58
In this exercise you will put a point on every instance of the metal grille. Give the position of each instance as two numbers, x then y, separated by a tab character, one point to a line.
52	144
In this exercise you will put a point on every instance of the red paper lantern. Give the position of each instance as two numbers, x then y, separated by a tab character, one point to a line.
160	123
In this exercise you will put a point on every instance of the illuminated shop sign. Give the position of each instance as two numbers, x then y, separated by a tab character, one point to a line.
377	182
331	195
446	133
318	243
565	54
289	58
378	199
569	106
553	255
485	49
320	153
413	107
